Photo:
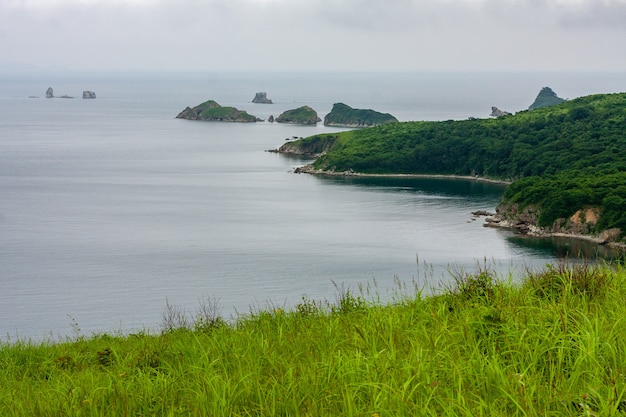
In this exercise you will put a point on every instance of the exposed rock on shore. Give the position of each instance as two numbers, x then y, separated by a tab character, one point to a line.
313	146
212	111
581	225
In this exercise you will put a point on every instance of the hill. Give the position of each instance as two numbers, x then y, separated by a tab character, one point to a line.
561	159
212	111
545	98
304	115
343	115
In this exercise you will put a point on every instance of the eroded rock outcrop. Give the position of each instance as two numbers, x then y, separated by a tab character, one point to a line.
89	94
496	112
49	93
313	146
582	224
261	98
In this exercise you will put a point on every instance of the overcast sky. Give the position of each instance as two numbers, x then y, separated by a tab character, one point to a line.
314	34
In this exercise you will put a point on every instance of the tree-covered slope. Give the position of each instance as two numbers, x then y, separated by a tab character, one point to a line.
304	115
564	153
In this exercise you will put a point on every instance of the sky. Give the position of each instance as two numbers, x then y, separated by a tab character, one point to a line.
314	35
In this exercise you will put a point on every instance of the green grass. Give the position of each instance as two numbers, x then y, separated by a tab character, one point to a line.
551	345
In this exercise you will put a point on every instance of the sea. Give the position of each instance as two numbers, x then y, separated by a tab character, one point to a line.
113	211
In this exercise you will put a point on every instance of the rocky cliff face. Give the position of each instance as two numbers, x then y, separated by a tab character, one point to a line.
49	92
496	112
581	224
89	94
313	146
261	98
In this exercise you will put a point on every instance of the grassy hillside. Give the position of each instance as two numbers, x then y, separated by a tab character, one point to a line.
570	155
555	345
211	111
302	115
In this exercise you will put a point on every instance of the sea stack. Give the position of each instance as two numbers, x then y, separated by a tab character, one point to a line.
89	94
49	93
261	98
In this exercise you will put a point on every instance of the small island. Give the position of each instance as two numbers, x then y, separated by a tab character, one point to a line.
211	111
261	98
545	98
343	115
304	115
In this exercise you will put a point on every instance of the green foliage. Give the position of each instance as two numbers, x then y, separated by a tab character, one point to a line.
302	115
344	115
212	111
552	345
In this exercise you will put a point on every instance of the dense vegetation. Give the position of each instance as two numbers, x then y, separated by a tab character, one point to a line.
344	115
570	155
212	111
554	345
302	115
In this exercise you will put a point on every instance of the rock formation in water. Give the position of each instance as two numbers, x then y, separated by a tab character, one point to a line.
343	115
261	98
545	98
49	92
496	112
304	115
89	94
271	119
211	111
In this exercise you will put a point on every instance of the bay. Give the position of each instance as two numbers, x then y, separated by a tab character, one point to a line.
112	208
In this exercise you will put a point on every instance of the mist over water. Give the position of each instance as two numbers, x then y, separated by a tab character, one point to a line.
110	208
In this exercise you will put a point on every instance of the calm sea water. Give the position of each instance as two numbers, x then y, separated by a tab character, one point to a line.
111	208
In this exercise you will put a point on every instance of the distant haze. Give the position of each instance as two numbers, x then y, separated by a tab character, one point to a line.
329	35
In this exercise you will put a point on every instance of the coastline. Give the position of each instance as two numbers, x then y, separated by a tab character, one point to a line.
308	169
489	221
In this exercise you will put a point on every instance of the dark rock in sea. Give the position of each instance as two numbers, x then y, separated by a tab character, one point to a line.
66	96
496	112
545	98
261	98
89	94
271	119
49	92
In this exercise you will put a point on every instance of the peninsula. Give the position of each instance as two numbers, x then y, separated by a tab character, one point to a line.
566	163
212	111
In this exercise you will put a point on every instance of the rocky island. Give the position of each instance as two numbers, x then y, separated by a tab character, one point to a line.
343	115
212	111
261	98
545	98
304	115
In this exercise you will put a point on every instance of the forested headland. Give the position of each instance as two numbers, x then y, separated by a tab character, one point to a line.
560	159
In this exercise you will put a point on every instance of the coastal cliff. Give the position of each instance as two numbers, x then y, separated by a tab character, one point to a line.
313	146
583	224
212	111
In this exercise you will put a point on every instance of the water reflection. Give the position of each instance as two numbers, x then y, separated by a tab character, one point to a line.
565	248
